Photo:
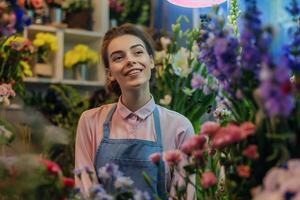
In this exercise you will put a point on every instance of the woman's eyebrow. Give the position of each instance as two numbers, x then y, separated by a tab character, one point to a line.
115	52
136	45
132	47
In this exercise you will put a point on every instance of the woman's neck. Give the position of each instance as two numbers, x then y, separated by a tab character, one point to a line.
135	99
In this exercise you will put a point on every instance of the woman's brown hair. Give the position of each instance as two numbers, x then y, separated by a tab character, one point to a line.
125	29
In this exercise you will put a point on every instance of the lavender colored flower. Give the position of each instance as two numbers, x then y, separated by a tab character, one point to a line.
110	170
123	182
276	90
197	81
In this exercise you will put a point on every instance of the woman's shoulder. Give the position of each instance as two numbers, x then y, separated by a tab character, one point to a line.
171	115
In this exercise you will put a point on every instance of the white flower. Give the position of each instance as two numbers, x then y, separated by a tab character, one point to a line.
123	182
139	195
166	100
180	62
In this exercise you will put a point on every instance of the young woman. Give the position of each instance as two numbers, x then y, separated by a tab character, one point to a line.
128	132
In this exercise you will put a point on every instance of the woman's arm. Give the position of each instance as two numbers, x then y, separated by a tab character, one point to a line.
83	155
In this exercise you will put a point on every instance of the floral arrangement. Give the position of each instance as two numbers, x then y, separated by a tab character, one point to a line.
182	82
44	44
259	100
72	6
80	54
15	52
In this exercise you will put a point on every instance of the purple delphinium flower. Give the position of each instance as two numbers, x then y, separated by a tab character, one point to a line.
218	50
276	89
110	170
293	9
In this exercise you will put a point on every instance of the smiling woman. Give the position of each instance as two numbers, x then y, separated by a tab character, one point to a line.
128	132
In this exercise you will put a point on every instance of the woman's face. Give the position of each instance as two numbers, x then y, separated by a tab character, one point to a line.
129	62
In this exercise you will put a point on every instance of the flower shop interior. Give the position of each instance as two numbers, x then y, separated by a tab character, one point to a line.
231	67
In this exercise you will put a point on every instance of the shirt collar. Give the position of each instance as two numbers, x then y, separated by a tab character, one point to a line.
142	113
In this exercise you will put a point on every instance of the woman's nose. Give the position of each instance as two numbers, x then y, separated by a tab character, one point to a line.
131	60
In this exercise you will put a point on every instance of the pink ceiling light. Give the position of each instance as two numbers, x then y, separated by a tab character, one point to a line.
196	3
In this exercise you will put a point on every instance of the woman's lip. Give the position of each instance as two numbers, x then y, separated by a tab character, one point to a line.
133	72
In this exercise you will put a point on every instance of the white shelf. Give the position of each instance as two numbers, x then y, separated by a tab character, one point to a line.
67	38
40	80
81	35
39	28
83	83
65	81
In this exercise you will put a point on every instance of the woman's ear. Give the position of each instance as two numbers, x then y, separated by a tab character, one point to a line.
110	76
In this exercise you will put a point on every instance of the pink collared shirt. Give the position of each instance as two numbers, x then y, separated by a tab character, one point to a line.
175	129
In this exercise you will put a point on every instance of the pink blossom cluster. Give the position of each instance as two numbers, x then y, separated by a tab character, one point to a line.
230	134
6	91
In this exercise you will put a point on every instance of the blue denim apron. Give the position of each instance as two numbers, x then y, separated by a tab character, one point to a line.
132	157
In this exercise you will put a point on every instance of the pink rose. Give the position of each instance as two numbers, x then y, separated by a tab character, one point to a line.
248	128
196	142
243	171
208	179
210	128
235	133
172	157
251	152
155	158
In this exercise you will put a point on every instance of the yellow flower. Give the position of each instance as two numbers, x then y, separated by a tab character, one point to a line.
47	40
38	42
80	53
26	69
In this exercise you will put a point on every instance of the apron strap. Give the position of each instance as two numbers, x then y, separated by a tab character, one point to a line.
157	126
161	186
106	129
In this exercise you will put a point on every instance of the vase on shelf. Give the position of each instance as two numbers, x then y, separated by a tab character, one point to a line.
55	15
80	71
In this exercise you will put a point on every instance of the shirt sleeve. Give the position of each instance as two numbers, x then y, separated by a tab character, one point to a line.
83	155
178	176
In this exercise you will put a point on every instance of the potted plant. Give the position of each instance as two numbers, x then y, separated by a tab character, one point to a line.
45	44
79	58
78	13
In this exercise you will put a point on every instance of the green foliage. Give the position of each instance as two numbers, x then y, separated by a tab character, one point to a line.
130	11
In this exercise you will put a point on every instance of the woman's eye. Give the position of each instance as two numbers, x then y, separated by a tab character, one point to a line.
117	58
139	52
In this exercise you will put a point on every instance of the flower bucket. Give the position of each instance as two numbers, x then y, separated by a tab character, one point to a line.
81	20
55	15
80	71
